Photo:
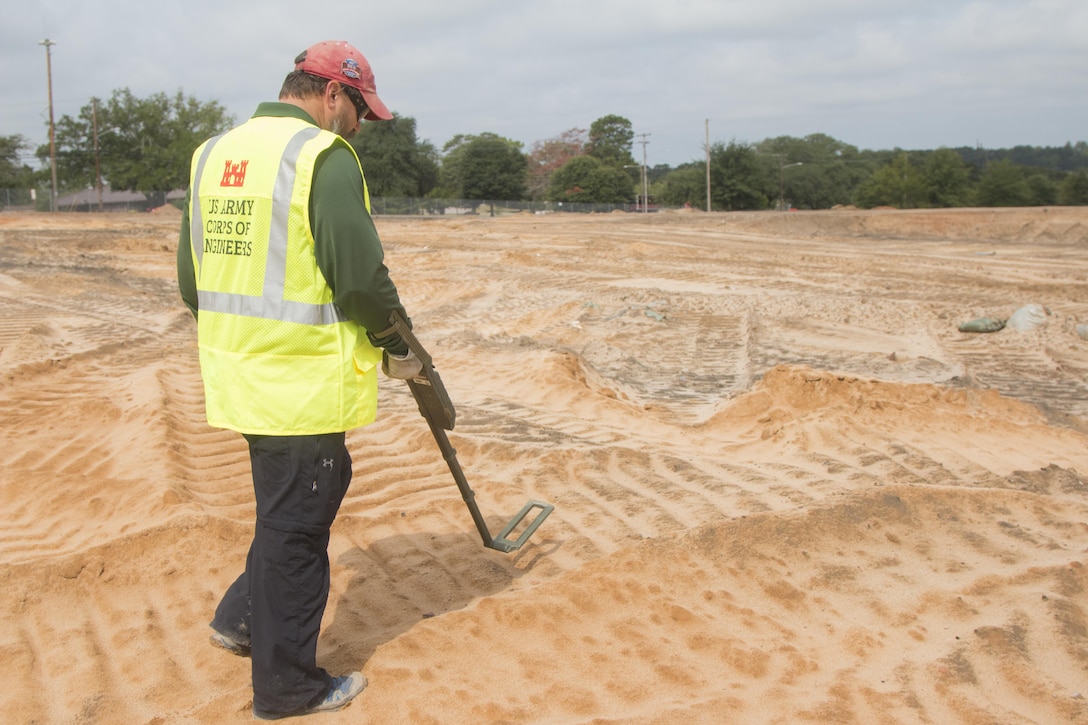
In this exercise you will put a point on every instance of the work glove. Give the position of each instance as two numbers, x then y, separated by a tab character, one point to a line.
401	367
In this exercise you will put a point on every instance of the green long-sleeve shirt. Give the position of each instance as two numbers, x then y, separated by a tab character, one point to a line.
347	247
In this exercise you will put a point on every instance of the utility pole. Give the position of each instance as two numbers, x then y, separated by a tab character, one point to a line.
52	140
97	164
707	147
645	182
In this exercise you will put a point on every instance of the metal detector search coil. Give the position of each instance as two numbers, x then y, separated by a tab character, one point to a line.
435	406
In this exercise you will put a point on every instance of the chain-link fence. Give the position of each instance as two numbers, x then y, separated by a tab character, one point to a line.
407	206
24	199
85	200
128	201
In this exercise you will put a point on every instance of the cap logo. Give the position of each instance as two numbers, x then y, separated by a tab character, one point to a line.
350	68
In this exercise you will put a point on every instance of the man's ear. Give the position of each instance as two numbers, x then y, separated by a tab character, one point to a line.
332	89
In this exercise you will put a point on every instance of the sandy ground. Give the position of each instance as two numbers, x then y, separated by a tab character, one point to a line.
787	488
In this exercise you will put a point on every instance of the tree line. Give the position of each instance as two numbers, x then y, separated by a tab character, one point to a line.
145	145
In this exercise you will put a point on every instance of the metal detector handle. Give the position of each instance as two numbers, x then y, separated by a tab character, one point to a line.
434	402
449	453
435	406
399	325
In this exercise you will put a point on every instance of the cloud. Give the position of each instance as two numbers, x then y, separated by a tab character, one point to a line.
872	73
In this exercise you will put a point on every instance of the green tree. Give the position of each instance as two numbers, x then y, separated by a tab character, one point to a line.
486	167
686	184
1044	191
1074	189
800	185
395	161
17	180
947	178
1050	158
1003	184
588	180
657	173
840	180
13	173
449	167
144	144
548	156
898	183
737	178
829	170
610	139
813	149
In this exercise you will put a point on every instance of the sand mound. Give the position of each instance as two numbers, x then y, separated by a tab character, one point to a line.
735	619
993	226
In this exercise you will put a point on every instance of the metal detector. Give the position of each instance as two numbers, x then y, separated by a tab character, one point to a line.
434	405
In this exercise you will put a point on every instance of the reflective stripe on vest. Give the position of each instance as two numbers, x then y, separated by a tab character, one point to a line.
271	305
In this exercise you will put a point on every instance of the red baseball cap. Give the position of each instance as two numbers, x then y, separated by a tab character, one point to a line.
338	60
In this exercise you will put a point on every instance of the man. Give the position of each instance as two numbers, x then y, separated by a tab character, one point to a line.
281	265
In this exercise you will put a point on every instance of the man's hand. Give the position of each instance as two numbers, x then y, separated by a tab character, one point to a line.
400	367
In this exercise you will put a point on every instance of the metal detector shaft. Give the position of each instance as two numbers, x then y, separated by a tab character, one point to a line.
435	406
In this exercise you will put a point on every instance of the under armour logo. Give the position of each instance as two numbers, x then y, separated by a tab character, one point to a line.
327	463
234	174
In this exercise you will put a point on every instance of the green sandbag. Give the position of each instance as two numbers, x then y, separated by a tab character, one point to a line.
982	324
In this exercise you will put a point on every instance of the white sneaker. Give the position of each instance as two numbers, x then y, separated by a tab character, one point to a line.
344	689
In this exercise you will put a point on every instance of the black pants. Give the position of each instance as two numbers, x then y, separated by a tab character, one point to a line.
278	602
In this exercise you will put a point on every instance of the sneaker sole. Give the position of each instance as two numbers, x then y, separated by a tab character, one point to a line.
224	642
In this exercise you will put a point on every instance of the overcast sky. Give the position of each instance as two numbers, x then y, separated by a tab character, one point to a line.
877	74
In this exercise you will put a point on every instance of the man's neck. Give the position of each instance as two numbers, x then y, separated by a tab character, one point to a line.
312	106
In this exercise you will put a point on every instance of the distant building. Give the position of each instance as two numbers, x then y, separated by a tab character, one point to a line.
112	201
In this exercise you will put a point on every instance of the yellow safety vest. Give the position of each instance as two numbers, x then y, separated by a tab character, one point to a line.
277	356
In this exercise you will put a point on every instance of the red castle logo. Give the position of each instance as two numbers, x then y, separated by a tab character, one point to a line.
234	174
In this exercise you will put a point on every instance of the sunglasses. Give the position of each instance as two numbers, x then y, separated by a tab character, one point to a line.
356	99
